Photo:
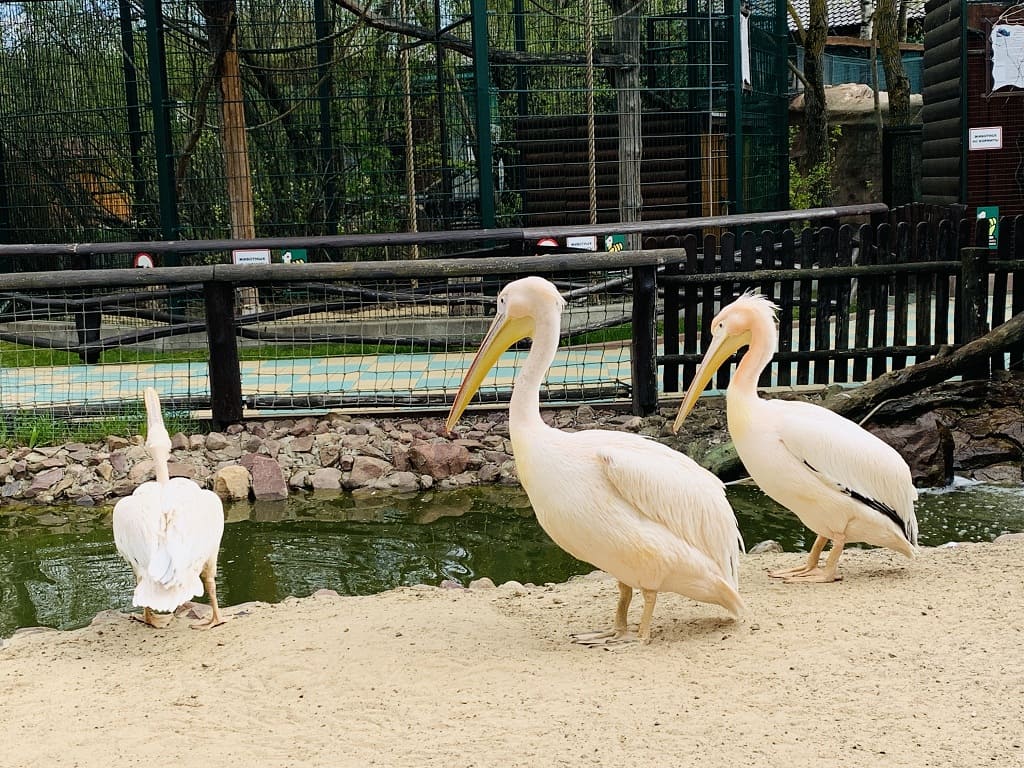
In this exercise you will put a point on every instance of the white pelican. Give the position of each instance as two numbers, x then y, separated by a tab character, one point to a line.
632	507
169	531
841	481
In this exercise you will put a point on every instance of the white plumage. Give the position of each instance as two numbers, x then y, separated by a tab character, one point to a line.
169	531
841	481
632	507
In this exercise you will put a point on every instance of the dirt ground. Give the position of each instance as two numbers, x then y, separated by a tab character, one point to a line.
903	663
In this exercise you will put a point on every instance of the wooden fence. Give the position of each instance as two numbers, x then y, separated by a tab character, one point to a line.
854	301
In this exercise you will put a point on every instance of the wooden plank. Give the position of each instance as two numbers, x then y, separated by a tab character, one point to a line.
865	287
844	258
672	325
1017	304
707	310
804	328
643	351
826	256
767	289
880	319
946	249
999	282
786	260
731	262
692	311
901	297
924	285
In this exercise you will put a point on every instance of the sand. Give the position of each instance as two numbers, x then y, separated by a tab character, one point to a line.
900	664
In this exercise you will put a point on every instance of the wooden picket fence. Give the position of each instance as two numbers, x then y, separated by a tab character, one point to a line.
854	301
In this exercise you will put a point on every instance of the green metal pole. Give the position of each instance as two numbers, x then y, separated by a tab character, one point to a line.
735	107
170	228
482	81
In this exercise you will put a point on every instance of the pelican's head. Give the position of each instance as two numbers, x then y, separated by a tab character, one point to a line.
732	329
157	440
520	305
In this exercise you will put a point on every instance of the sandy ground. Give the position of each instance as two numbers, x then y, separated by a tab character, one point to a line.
901	664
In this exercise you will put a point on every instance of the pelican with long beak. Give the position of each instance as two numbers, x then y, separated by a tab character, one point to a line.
169	531
840	480
647	515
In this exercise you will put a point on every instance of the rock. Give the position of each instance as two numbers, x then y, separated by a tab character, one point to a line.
141	472
999	474
179	442
326	479
232	482
301	444
46	479
450	584
329	455
926	444
298	479
114	442
215	441
439	460
765	546
181	469
1006	538
481	583
398	482
268	481
365	469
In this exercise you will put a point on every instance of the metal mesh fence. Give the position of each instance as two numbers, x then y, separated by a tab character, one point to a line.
230	118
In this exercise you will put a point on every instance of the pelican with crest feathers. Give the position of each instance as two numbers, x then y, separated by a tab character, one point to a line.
843	483
169	531
636	509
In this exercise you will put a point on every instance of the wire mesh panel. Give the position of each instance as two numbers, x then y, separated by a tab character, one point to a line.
238	118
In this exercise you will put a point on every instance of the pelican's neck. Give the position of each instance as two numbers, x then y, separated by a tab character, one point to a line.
160	455
742	392
524	409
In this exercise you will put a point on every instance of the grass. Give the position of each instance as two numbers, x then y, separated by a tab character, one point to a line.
33	429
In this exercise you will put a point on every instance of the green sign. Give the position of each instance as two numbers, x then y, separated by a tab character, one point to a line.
614	243
991	212
293	256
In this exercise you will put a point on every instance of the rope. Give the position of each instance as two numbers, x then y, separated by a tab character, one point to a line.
410	158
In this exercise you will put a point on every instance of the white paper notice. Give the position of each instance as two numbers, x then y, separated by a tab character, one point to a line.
1007	55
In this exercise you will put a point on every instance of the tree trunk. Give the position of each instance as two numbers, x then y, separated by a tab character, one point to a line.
898	86
816	147
626	80
221	29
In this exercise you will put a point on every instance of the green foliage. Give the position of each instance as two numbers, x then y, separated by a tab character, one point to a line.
814	188
25	428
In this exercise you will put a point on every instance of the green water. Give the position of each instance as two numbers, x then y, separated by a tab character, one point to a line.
58	567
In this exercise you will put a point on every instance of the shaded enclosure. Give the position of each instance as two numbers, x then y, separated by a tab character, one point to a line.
135	120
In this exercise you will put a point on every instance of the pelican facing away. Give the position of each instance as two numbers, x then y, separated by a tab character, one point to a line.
841	481
169	531
645	514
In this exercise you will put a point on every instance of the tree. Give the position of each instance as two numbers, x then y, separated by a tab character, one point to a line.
816	144
887	19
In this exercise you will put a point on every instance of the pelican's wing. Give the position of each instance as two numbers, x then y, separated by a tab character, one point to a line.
191	537
673	490
843	455
136	524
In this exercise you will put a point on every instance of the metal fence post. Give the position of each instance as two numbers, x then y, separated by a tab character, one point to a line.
225	372
643	352
974	294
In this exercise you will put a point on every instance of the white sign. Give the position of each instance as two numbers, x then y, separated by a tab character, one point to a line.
143	260
251	256
1007	42
581	242
985	138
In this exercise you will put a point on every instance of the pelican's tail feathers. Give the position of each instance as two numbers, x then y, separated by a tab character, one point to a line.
155	596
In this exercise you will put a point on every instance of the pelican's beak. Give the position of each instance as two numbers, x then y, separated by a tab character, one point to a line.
503	333
722	348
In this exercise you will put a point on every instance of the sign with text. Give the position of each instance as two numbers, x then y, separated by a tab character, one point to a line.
250	256
985	138
581	242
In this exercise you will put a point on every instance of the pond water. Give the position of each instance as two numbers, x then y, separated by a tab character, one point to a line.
58	566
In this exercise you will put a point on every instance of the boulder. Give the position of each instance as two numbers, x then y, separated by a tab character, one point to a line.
926	444
326	479
365	469
268	482
439	460
232	482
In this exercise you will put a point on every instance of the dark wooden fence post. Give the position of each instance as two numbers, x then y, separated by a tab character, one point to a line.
225	372
87	318
644	365
974	294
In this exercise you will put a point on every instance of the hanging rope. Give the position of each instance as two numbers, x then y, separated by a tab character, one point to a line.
588	10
